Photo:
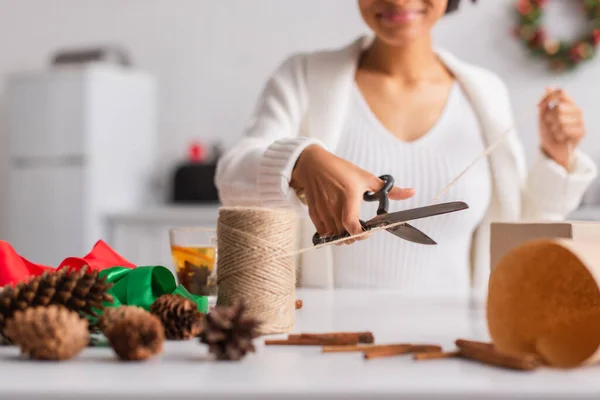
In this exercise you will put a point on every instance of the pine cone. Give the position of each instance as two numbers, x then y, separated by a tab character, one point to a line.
179	316
78	291
48	333
112	315
228	333
137	336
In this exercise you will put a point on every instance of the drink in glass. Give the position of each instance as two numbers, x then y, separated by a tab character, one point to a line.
194	253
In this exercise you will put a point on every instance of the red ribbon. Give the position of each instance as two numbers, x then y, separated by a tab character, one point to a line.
15	268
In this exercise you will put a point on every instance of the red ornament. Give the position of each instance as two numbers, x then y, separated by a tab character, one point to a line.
579	52
539	38
596	35
196	153
575	54
524	7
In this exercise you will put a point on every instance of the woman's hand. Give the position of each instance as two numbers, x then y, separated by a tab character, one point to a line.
333	189
561	126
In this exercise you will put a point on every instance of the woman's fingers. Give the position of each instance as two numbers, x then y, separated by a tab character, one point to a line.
564	96
316	216
350	219
401	194
566	119
550	97
328	217
332	208
375	184
330	225
564	122
335	211
316	220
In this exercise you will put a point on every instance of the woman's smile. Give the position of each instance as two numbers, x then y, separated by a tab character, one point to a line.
399	16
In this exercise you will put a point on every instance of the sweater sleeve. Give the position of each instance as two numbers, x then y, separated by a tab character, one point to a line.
257	170
554	191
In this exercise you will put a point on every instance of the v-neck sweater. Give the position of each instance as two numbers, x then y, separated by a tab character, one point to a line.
428	164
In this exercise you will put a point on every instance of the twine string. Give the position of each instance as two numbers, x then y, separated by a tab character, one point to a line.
253	247
486	153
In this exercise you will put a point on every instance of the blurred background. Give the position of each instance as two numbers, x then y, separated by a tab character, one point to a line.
123	148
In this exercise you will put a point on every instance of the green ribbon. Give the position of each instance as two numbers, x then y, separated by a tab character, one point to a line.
141	286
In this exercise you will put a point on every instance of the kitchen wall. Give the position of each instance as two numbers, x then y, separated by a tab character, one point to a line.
212	57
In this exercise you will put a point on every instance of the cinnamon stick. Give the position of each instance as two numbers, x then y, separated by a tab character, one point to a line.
298	304
426	348
359	337
302	341
363	348
494	357
435	355
344	349
390	351
464	343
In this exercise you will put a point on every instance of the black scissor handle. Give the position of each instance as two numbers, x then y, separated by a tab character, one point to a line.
382	194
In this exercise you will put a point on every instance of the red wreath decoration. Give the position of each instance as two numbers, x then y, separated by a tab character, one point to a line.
562	55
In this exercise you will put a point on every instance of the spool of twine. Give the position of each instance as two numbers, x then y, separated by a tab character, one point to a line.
252	244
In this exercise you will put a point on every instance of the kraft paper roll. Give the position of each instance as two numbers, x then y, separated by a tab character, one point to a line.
544	298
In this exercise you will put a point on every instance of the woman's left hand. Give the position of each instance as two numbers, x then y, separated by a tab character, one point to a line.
561	126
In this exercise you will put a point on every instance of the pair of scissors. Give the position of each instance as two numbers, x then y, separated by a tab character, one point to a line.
383	218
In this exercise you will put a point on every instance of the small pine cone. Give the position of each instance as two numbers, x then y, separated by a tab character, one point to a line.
138	336
179	316
228	333
48	333
112	315
78	291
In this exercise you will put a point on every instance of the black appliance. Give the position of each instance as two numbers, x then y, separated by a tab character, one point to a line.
193	181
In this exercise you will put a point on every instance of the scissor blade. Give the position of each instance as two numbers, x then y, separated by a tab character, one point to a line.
412	234
417	213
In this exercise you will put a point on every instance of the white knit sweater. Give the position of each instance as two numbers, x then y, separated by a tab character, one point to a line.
428	164
306	101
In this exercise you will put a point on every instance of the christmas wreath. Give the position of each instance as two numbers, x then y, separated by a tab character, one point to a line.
562	55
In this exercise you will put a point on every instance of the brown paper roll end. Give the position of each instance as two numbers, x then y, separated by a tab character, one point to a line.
543	298
572	345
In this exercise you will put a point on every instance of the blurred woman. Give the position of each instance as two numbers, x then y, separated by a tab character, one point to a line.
329	123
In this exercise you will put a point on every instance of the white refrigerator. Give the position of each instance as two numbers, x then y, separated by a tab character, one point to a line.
81	144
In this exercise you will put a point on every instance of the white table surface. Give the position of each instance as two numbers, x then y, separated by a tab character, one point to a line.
284	373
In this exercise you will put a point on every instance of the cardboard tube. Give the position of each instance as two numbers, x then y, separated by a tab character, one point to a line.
571	346
544	298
